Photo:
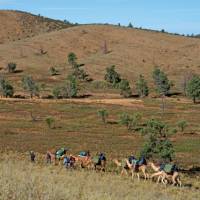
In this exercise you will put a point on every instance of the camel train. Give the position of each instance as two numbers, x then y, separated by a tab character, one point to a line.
165	173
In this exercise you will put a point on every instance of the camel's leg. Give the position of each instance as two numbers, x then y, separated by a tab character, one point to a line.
179	181
138	175
122	172
147	175
174	179
164	179
156	174
132	174
144	173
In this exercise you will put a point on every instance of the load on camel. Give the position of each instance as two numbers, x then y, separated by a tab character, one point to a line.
133	166
85	160
54	155
166	173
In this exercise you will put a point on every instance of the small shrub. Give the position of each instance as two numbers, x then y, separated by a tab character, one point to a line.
72	58
68	90
103	114
6	89
112	76
193	88
125	89
141	87
182	125
53	71
130	121
11	67
50	122
161	81
124	119
30	86
130	25
158	144
57	92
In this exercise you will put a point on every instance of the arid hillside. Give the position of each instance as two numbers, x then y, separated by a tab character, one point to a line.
16	25
133	51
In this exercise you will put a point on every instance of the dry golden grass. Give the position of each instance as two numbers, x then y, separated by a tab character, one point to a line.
16	25
78	127
21	180
133	51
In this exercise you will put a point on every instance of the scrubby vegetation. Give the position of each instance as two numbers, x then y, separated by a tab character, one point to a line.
30	86
50	121
103	114
193	88
11	67
161	81
125	89
23	180
141	126
53	71
158	144
6	89
112	76
182	125
142	87
69	89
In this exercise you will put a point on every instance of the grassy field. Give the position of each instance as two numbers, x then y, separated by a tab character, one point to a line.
78	126
133	51
23	180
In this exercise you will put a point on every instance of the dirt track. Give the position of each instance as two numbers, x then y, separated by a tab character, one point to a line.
121	102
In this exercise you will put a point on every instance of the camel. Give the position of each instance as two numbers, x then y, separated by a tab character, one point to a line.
83	161
126	167
99	162
51	157
90	162
165	177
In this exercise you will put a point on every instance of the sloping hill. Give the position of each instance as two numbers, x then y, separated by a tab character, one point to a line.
133	52
17	25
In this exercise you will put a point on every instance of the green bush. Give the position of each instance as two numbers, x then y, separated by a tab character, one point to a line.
112	76
72	58
103	114
30	86
57	92
158	144
50	121
193	88
182	125
161	81
68	90
11	67
141	87
53	71
125	89
6	89
130	121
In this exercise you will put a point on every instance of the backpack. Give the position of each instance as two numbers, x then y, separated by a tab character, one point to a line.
142	161
82	153
66	161
102	157
60	152
96	159
168	168
131	158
